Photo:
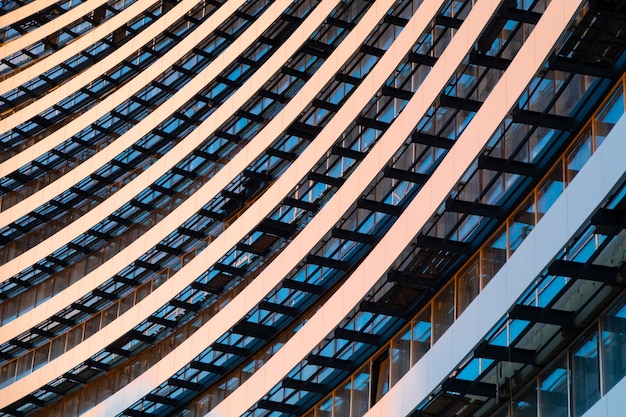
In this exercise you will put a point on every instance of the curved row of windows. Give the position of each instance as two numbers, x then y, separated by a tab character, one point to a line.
112	176
319	267
148	259
393	361
328	246
292	188
165	254
193	240
379	323
32	131
51	165
221	268
40	17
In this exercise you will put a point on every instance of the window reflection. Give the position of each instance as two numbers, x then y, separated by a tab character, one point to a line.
521	224
609	115
579	154
380	377
443	311
324	409
420	339
614	346
550	190
341	401
400	355
493	256
553	390
526	404
585	374
360	391
468	285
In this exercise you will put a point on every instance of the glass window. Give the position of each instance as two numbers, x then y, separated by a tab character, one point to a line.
539	138
70	406
420	339
579	155
443	311
468	283
614	346
493	256
41	355
521	224
553	393
87	399
324	409
361	391
7	373
400	355
609	115
341	401
10	310
504	412
525	405
585	374
380	377
202	405
24	364
550	190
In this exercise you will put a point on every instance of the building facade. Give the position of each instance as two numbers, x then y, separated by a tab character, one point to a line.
319	208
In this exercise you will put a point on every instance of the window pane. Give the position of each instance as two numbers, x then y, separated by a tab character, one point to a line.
579	155
550	190
521	224
400	355
468	283
614	346
585	375
361	391
420	340
380	377
493	256
553	390
526	404
341	403
443	311
324	409
609	115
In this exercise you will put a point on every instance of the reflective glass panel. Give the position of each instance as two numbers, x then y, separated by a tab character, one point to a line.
443	311
553	397
341	401
400	355
468	285
614	346
525	405
420	340
609	115
360	391
585	375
